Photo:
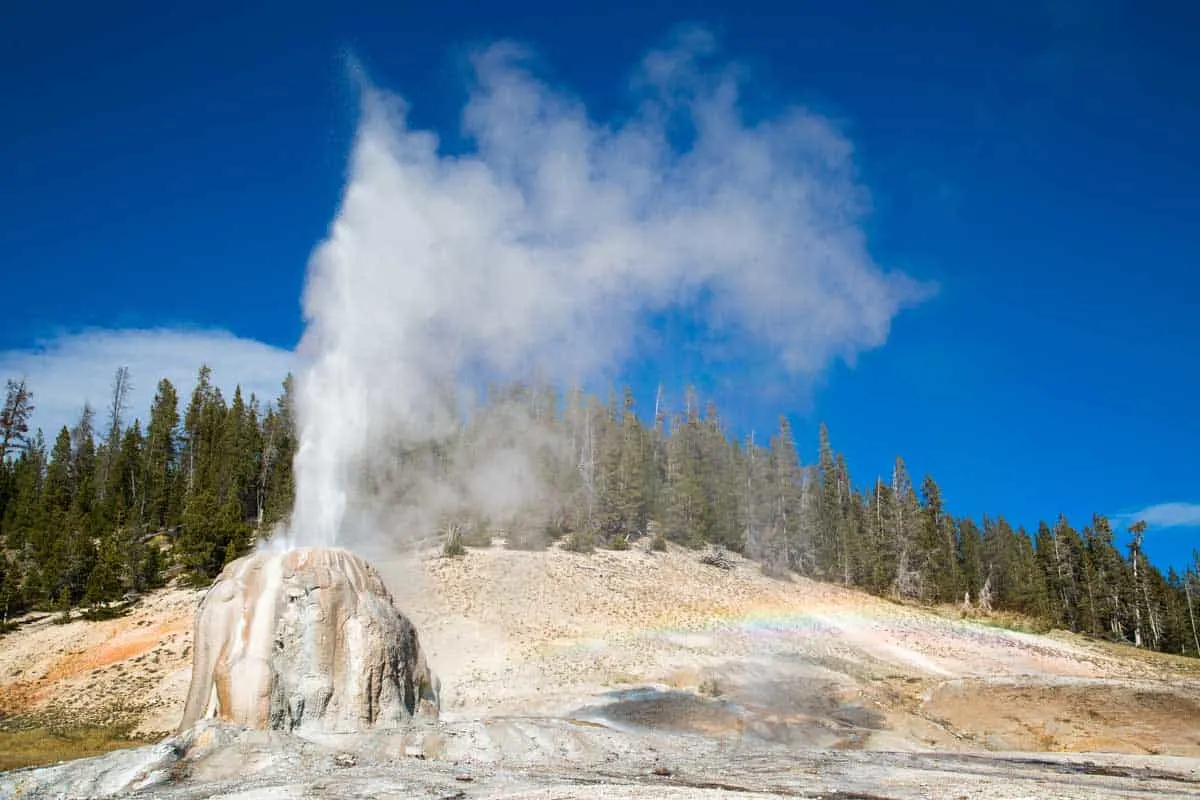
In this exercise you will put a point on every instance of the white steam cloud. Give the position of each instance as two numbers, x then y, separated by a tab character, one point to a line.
548	246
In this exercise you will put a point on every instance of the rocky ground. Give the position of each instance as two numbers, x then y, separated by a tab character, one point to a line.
655	675
131	672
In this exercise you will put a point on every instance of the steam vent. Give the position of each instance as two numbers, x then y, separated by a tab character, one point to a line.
306	639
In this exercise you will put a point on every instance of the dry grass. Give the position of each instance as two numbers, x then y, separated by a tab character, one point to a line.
1158	663
40	746
1006	620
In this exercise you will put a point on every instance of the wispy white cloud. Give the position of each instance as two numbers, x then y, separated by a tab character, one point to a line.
69	369
1165	515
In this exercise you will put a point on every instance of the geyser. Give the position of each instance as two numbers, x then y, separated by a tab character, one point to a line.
549	248
306	639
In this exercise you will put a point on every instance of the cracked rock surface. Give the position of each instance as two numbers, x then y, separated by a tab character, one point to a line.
557	758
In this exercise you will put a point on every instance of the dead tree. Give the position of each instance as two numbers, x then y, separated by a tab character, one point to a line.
717	557
14	417
1187	590
116	413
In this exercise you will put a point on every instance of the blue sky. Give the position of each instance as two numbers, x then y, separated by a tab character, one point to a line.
172	171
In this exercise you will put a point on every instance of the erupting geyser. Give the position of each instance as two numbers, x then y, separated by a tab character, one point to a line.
306	639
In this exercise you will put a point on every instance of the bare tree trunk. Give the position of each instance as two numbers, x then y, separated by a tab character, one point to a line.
985	593
116	409
748	535
264	472
587	464
1187	590
1062	581
840	530
1092	604
1137	606
1114	622
1152	620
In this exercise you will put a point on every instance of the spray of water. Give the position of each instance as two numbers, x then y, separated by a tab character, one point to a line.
546	247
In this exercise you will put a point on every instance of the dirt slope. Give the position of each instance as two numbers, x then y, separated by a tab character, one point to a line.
634	639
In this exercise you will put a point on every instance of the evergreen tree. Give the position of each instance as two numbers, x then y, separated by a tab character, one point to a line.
112	441
57	501
789	540
634	471
12	597
24	519
104	583
203	542
880	574
718	467
1147	615
689	513
757	501
14	417
163	495
971	564
276	482
905	534
829	508
1109	575
608	518
1191	590
936	549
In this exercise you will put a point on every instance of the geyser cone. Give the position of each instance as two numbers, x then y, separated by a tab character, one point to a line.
306	638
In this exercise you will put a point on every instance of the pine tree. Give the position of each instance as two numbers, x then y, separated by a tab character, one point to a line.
1147	618
239	449
57	501
275	481
789	538
718	467
83	466
608	517
24	517
104	583
1191	587
7	490
936	549
202	544
163	498
829	508
904	534
689	512
14	418
971	565
1110	574
634	471
112	441
12	597
192	442
1011	561
880	564
757	503
851	525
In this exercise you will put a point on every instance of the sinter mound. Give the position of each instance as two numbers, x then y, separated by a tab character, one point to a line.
306	639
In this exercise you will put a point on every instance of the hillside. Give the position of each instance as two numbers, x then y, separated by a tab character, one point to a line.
635	638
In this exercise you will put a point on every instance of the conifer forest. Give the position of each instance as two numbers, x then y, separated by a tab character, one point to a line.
118	504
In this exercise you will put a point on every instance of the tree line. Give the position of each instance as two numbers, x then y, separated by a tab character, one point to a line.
115	509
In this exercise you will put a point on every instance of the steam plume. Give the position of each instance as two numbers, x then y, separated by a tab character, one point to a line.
547	247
